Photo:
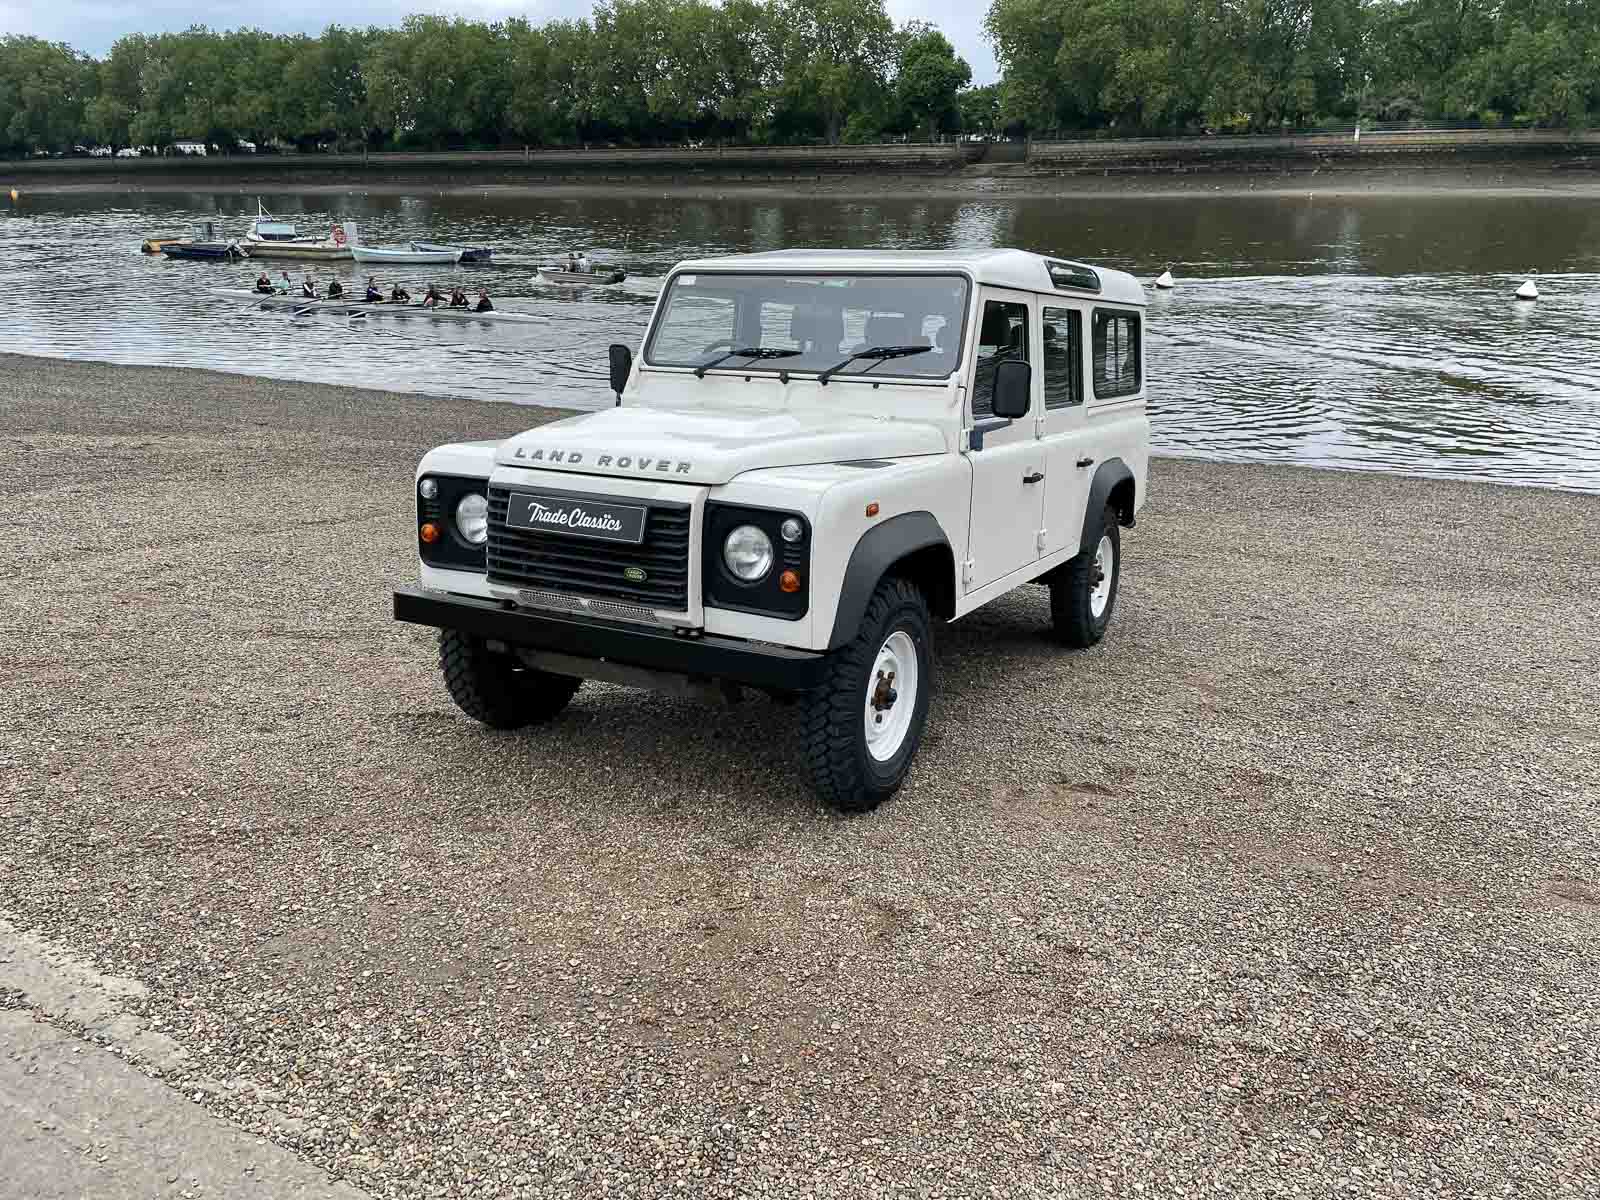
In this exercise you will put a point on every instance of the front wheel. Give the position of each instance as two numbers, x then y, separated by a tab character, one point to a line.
496	688
1083	590
861	727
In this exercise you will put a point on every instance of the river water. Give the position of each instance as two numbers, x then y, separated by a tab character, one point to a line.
1373	332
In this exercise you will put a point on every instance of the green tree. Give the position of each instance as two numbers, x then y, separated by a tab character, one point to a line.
46	89
837	55
929	79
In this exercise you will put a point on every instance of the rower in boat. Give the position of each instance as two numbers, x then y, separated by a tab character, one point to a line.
483	301
374	296
398	295
335	290
285	284
458	298
307	288
264	284
431	298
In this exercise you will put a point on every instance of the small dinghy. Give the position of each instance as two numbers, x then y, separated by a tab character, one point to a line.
469	254
562	275
390	257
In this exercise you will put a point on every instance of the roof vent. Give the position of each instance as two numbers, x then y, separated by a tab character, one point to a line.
1072	275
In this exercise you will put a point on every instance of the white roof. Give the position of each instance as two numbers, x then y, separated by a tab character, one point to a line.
1001	267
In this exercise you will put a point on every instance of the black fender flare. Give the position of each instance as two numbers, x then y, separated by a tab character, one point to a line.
1106	477
879	549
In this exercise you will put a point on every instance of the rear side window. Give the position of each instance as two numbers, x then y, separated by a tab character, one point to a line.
1117	369
1063	358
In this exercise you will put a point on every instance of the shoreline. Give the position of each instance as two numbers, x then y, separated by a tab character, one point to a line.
1507	179
1265	879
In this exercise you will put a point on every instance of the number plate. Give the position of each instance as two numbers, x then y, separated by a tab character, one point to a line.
576	517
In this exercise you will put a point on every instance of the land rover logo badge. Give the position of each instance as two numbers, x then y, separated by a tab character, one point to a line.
635	574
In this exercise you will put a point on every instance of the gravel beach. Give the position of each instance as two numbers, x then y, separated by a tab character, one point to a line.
1290	887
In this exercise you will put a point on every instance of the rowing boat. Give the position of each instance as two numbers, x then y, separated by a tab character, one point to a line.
559	275
378	308
383	256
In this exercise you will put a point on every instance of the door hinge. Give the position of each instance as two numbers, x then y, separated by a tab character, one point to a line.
1038	427
966	573
1038	542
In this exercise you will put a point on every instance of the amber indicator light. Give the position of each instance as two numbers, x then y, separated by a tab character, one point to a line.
789	582
429	533
872	509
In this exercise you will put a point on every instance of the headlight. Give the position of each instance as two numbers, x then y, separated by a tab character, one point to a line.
472	519
748	553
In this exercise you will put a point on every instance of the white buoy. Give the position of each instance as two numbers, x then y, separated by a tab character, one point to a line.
1529	290
1165	280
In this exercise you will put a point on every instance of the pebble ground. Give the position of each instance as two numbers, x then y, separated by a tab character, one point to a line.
1291	887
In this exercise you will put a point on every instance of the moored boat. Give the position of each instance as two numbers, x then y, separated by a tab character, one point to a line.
269	237
387	256
203	243
376	308
153	245
469	254
562	275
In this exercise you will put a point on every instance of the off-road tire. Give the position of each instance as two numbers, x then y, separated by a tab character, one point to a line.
497	689
1073	583
844	774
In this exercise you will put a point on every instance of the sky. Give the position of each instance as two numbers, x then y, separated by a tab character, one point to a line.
92	25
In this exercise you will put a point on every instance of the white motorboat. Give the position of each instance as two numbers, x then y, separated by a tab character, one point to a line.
269	237
562	275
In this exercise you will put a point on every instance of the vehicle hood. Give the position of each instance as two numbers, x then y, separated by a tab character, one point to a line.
711	447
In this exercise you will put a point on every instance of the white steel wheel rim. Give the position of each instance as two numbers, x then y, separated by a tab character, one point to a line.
891	696
1105	562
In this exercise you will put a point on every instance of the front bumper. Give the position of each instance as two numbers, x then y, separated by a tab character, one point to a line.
770	668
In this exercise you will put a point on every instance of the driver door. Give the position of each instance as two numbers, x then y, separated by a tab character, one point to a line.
1008	473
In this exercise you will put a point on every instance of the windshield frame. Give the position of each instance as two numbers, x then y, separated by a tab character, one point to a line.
778	367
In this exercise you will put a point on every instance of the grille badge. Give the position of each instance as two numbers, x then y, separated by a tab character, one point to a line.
635	574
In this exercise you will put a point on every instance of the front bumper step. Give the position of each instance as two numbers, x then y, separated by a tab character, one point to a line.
769	668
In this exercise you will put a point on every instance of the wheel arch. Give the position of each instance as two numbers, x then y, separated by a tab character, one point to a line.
911	545
1113	485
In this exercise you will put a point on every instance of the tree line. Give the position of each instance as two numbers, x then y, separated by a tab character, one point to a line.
635	72
652	72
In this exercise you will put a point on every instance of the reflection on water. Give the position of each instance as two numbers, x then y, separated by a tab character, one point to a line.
1364	332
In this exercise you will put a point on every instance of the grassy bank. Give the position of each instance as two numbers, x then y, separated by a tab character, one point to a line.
1292	881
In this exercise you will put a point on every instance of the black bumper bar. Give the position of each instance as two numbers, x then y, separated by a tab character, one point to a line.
777	668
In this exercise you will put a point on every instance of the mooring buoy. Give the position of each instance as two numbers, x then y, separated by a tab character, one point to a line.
1529	290
1165	280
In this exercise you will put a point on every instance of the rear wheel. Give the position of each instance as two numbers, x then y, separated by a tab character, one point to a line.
496	688
1083	590
862	726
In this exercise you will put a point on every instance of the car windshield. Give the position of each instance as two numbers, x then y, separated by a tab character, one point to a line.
741	322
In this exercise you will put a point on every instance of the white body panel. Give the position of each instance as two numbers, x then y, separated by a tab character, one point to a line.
854	454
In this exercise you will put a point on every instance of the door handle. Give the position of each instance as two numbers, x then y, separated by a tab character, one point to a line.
1033	478
1086	462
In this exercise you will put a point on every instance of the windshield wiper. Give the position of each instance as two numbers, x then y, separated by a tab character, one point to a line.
747	352
881	353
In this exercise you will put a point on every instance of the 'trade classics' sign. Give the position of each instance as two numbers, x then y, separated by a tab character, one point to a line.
578	518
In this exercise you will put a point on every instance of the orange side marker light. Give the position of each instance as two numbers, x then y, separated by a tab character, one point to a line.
872	509
429	533
789	582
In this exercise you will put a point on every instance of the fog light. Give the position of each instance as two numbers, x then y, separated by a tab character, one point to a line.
789	582
428	489
429	533
791	530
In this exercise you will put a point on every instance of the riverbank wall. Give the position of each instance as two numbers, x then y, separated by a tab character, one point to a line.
1574	153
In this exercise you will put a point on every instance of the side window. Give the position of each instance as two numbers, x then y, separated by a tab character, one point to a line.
1117	368
1063	358
1002	334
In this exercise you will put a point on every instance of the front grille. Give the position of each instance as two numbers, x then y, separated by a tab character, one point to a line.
575	566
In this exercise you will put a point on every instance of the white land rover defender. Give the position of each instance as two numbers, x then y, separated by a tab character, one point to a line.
818	456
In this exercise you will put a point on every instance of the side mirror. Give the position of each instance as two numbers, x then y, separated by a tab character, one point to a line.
621	368
1013	389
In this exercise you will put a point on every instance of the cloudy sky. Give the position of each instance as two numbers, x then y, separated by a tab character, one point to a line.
92	25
